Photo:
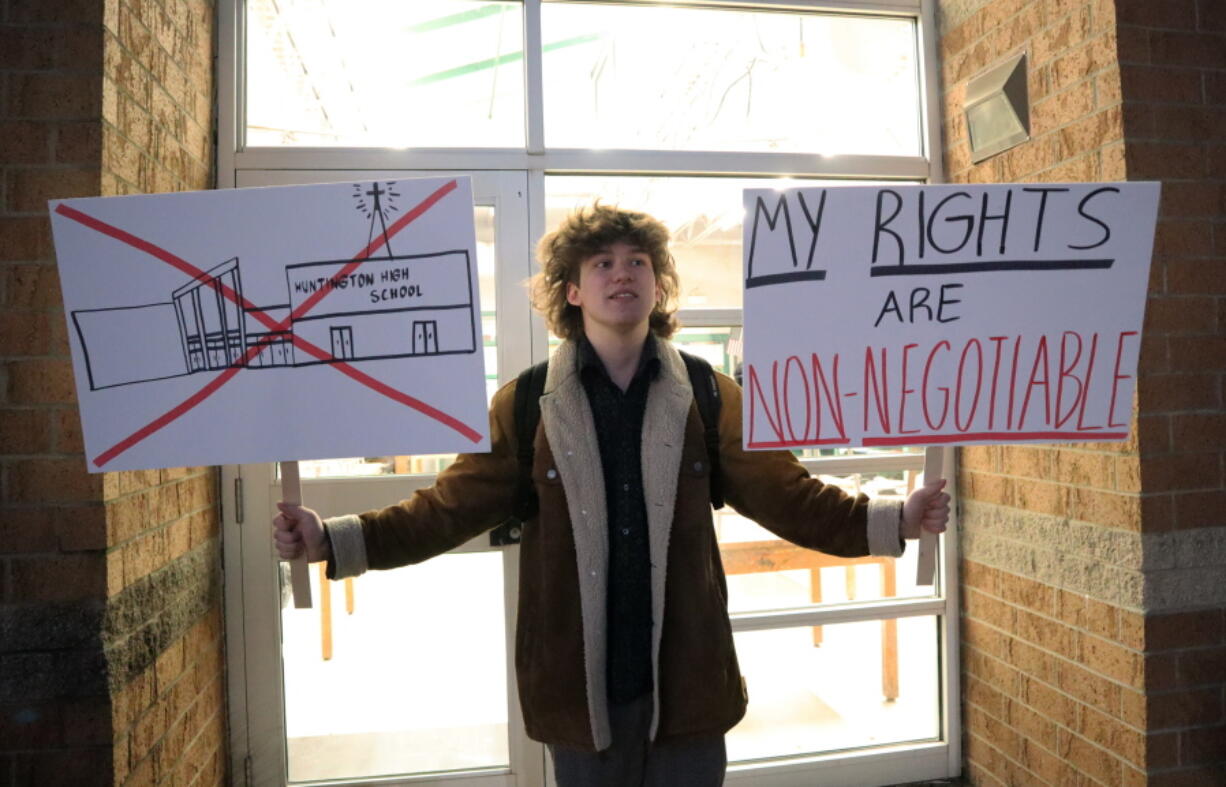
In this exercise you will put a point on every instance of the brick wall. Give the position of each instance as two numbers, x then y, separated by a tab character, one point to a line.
163	625
54	700
1092	573
1173	74
110	632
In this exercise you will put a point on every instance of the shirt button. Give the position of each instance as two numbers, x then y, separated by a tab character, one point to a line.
698	467
625	531
625	487
551	474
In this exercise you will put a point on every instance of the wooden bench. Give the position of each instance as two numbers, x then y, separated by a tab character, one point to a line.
749	557
739	557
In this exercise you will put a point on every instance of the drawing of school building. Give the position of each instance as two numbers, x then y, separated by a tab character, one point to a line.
390	307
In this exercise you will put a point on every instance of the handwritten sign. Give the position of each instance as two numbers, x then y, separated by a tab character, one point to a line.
283	323
913	315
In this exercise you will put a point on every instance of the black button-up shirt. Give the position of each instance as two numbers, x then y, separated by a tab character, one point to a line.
618	416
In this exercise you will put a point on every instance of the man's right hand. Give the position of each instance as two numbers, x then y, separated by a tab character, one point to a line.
296	528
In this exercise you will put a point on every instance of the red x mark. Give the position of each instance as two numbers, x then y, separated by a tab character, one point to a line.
273	325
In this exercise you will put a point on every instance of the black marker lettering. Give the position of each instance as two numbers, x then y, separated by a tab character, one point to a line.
985	217
891	305
1042	191
815	224
966	217
922	303
772	220
1081	209
881	225
943	302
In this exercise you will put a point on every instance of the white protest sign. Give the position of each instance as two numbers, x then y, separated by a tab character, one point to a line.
920	315
283	323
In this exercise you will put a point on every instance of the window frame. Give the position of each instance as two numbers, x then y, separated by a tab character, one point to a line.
234	154
536	159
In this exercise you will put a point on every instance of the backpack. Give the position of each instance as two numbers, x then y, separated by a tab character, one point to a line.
528	389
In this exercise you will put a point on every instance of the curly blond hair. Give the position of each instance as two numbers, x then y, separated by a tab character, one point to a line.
583	234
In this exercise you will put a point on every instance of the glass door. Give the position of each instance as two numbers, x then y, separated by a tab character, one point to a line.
844	659
852	669
403	674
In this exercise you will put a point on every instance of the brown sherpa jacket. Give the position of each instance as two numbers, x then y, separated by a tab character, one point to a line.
561	630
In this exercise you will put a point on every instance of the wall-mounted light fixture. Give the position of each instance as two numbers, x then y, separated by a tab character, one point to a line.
998	108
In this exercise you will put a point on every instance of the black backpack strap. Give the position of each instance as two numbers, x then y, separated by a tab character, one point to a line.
706	396
527	411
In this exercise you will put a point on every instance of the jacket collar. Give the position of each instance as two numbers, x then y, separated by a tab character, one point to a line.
590	363
566	364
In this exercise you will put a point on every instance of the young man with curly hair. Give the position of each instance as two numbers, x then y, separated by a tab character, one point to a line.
624	651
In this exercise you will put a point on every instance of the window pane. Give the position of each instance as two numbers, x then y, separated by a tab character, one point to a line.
714	345
806	697
404	689
703	215
430	73
431	464
816	453
624	77
766	573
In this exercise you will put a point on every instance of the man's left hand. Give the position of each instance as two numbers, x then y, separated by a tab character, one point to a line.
926	508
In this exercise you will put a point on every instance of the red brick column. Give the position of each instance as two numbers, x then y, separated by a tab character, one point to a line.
1173	72
1092	574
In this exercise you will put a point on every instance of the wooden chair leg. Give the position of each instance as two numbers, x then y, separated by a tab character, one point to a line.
889	636
349	595
815	595
325	612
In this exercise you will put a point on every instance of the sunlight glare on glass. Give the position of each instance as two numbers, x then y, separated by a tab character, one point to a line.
740	80
386	73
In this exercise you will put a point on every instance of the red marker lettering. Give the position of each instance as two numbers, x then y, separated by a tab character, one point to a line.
756	395
820	386
978	385
998	341
787	397
1085	392
944	405
1065	373
1116	377
902	408
880	389
1040	361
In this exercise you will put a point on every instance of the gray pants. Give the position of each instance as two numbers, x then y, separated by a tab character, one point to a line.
633	761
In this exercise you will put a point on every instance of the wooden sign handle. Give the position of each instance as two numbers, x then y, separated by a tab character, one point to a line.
925	565
299	576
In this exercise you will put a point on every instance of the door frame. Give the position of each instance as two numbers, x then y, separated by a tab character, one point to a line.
536	158
248	493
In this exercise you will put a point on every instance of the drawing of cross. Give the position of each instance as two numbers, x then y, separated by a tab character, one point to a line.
274	326
376	212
